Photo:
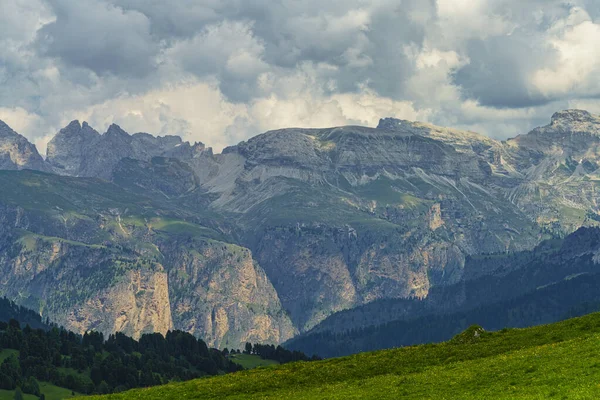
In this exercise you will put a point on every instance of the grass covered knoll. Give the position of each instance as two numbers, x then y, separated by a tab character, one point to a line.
560	360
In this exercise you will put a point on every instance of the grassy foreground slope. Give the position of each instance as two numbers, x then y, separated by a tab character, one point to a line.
560	360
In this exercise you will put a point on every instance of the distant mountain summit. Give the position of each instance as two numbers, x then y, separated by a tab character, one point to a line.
574	116
67	151
78	150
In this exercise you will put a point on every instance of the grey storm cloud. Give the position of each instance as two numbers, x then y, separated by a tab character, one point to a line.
237	41
470	63
500	69
99	36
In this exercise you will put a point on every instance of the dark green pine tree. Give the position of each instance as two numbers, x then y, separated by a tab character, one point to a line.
18	394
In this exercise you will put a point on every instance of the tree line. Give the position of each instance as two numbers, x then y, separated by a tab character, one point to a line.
91	364
35	350
279	354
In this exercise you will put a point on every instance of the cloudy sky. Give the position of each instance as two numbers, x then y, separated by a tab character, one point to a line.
220	71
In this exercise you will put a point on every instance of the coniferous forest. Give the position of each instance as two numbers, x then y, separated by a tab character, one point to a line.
94	364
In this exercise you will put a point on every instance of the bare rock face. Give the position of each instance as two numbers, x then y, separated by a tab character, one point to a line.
343	216
219	293
68	149
84	287
571	133
108	271
17	153
319	269
137	304
560	164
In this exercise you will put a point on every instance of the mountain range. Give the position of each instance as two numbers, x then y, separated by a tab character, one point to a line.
270	238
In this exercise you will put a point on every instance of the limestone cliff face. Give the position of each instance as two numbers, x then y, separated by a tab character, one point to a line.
310	271
133	275
319	270
85	287
138	303
219	293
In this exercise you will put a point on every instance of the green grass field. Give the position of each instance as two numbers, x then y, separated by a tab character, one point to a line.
249	361
50	391
56	393
559	361
10	395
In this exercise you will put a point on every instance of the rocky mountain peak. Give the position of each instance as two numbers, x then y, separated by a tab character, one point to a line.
79	150
389	123
115	130
575	121
77	128
66	150
5	130
573	115
73	126
16	152
569	132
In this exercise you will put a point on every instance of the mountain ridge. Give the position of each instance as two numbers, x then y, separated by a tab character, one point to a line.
339	217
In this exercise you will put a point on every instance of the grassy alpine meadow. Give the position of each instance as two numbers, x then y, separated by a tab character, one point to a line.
560	360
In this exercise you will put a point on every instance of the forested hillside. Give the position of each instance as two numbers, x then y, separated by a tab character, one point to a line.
89	364
35	355
556	280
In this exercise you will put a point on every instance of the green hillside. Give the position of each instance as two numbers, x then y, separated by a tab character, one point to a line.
560	361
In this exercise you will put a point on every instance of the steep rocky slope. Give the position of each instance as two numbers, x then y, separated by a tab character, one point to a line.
17	153
560	166
91	255
557	279
340	217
